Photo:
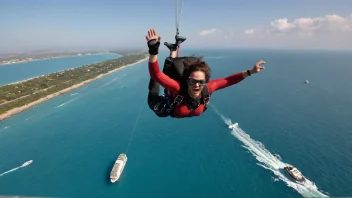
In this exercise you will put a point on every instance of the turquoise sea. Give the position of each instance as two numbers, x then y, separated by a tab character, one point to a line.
22	71
75	138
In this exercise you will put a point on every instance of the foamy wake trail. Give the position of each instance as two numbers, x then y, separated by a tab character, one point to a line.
65	103
270	161
10	171
14	169
108	83
29	118
3	129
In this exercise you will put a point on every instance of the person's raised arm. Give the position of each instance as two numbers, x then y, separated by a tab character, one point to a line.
153	65
221	83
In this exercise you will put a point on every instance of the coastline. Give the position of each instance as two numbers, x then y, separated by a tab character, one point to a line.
39	59
47	74
17	110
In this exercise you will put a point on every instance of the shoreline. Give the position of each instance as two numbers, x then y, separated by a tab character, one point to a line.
52	72
17	110
38	59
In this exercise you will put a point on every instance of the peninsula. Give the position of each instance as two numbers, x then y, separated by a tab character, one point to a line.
6	59
17	97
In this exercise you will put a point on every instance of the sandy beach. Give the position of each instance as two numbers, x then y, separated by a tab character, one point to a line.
63	56
48	97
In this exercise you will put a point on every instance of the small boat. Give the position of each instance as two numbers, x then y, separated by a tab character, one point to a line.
294	173
232	126
118	167
307	82
27	163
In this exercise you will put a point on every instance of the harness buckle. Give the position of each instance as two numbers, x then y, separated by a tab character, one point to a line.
176	102
178	99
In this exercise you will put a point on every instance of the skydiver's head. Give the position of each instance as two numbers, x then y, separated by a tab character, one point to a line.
197	74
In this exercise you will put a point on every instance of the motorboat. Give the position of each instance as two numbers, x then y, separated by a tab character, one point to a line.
294	173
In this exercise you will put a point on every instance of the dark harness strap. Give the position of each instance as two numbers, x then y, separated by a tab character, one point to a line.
206	97
179	98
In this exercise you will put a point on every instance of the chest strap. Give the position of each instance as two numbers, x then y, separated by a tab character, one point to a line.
178	99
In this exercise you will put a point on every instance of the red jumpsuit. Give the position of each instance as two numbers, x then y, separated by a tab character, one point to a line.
174	86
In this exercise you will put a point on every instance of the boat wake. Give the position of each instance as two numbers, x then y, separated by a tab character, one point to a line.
269	161
14	169
108	83
65	103
3	129
29	118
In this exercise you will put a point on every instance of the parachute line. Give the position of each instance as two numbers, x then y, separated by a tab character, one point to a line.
178	18
134	127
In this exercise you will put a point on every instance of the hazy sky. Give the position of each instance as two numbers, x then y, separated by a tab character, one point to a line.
38	24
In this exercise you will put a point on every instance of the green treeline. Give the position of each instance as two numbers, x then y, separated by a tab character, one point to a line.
19	94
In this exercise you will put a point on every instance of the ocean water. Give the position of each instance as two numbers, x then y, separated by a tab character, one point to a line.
22	71
75	138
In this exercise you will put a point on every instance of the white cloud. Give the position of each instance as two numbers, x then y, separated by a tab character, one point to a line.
309	26
208	32
329	31
282	25
249	31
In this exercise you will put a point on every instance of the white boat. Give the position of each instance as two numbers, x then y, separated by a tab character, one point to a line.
295	173
307	81
118	167
232	126
27	163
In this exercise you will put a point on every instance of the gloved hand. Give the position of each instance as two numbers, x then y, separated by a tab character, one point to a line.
153	42
153	46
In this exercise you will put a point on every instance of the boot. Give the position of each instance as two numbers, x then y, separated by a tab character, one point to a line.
172	47
179	40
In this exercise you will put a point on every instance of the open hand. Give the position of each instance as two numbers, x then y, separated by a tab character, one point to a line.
152	35
257	67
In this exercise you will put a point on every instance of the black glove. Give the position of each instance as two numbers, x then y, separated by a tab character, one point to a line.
153	47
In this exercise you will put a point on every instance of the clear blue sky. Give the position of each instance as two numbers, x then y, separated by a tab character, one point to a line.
35	24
